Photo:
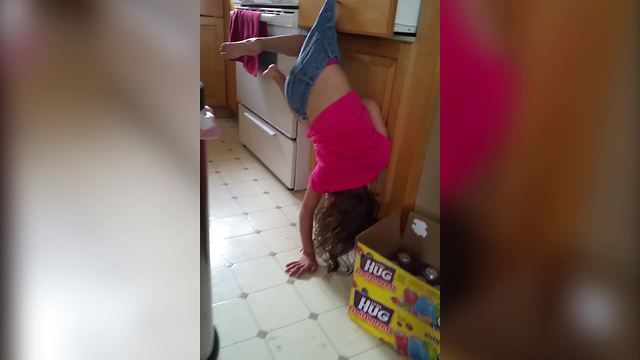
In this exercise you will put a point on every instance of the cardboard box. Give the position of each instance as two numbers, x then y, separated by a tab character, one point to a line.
388	301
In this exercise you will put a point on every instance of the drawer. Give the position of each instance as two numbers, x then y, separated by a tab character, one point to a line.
275	150
367	17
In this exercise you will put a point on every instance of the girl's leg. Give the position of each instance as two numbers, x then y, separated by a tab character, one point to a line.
312	86
330	86
275	74
284	44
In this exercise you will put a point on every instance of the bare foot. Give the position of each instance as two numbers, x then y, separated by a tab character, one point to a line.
273	73
233	50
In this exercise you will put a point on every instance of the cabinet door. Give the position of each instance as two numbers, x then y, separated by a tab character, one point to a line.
211	8
212	67
373	76
367	17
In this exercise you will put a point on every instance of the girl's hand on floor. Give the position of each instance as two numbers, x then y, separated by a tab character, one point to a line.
305	265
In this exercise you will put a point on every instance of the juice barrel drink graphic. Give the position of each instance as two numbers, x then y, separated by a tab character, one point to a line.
376	272
410	297
417	349
395	306
402	343
371	311
425	309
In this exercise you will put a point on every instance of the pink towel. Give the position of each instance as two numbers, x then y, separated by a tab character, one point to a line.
245	24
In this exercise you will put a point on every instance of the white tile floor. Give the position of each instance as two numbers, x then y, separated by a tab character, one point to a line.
261	313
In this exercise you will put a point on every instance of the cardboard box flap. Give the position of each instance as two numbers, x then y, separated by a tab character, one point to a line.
383	236
422	237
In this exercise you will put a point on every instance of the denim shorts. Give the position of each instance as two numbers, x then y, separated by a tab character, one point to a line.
320	46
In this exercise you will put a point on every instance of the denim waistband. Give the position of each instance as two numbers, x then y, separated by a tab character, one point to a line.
320	46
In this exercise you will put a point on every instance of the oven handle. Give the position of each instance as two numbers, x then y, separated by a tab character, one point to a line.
281	17
262	126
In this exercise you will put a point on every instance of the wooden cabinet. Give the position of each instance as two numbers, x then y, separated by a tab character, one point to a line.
403	78
211	8
212	65
218	75
367	17
371	64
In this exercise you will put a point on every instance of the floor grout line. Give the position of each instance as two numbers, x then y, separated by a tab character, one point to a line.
268	332
246	154
328	338
284	326
380	343
249	213
317	320
255	319
256	258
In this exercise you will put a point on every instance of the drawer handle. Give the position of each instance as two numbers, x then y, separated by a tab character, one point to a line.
262	126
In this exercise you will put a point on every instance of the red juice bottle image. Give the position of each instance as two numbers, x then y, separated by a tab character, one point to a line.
410	297
402	343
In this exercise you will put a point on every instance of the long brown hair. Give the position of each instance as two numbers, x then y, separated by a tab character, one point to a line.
340	219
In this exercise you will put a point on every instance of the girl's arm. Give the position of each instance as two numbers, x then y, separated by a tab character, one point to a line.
307	262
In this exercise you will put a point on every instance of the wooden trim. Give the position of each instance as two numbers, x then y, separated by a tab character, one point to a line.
391	20
390	64
370	45
212	66
230	66
208	20
416	106
363	17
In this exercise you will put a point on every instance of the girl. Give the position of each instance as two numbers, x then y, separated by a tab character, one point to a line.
347	132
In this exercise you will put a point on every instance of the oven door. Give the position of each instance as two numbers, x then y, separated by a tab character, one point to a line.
262	96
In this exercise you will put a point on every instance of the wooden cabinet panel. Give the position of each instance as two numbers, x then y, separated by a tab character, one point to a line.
308	11
232	98
372	76
368	17
211	8
371	73
212	66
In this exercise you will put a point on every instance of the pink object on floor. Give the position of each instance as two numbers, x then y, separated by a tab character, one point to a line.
350	152
209	129
245	24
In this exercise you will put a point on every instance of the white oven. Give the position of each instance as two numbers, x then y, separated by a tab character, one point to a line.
266	124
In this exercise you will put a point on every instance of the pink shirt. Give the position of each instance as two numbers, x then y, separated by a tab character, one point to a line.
350	152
